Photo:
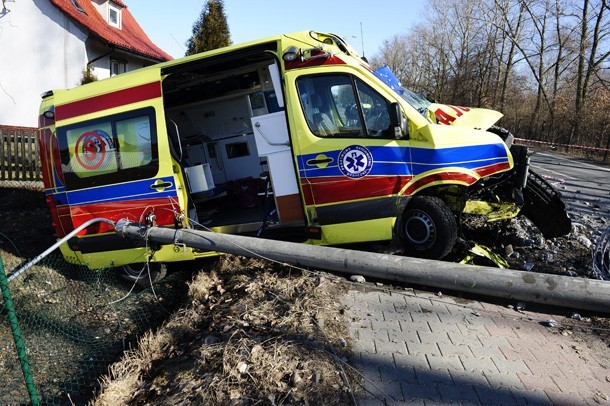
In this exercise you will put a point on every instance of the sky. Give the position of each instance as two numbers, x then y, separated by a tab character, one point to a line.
169	23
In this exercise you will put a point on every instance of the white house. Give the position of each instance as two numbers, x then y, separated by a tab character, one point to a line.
47	44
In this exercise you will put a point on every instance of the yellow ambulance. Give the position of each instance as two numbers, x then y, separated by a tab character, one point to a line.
290	137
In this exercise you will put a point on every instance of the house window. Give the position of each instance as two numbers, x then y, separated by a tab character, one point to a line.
117	67
114	15
78	6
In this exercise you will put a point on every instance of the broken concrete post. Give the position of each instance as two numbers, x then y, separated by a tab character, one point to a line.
575	293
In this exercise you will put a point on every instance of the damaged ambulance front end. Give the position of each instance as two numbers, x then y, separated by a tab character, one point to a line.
501	193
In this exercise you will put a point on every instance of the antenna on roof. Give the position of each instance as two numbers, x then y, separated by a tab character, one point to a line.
179	44
362	39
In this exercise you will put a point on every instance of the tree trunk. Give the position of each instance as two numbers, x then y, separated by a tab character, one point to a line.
580	91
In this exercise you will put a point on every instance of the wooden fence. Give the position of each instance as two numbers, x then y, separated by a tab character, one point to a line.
19	158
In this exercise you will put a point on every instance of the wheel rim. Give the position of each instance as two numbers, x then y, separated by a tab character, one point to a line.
420	230
136	270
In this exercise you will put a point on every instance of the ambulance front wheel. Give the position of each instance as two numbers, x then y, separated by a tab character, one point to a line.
428	228
139	273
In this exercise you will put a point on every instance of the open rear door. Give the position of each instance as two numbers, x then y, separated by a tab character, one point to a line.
112	169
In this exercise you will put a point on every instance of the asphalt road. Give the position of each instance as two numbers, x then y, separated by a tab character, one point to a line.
584	184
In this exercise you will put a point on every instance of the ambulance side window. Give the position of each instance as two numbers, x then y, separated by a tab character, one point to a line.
376	111
343	106
112	149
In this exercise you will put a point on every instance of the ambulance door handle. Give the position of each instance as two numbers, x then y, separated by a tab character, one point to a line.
321	161
273	144
161	185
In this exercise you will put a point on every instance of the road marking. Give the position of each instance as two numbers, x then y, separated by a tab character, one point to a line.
554	172
596	167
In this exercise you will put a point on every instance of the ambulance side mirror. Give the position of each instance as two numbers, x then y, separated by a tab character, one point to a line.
398	122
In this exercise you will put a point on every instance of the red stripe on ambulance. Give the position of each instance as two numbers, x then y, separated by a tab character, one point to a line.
341	189
108	101
132	210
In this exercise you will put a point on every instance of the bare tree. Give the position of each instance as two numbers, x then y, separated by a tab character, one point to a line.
395	54
510	24
546	64
594	29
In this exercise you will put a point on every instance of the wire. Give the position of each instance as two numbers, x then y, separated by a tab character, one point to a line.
57	244
12	243
6	93
149	254
135	282
256	254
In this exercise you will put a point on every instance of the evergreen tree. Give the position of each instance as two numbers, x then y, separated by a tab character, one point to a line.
211	30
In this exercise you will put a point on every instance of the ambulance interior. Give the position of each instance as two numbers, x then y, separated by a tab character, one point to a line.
227	127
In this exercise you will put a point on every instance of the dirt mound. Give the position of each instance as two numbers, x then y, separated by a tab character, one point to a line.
251	334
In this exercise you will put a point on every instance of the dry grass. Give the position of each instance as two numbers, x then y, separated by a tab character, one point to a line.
253	333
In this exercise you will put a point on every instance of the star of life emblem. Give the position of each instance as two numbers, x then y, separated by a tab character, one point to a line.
355	161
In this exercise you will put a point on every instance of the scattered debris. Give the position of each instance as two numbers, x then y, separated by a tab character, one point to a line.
357	279
584	241
601	256
528	266
601	396
485	252
493	211
523	247
550	323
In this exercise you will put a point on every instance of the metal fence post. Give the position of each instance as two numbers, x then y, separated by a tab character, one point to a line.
19	343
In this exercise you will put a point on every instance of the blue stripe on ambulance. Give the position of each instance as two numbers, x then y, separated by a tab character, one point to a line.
395	161
135	190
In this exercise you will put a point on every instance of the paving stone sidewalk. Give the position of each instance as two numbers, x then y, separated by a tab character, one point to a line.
421	348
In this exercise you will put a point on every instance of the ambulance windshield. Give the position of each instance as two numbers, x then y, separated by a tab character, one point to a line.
419	102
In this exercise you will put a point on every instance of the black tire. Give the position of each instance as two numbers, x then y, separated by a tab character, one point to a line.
138	273
427	228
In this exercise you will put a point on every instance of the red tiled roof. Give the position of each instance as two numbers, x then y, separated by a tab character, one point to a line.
130	37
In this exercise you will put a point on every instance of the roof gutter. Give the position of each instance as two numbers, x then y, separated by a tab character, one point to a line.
141	54
112	50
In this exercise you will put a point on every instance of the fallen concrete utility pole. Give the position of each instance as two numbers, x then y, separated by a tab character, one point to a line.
565	291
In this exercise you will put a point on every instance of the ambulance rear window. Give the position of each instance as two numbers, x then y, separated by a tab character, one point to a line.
113	149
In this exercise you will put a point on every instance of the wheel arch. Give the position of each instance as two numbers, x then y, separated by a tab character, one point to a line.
452	193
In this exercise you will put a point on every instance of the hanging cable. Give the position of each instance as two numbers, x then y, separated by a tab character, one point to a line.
57	244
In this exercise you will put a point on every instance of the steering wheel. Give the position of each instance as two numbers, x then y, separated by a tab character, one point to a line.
377	120
351	113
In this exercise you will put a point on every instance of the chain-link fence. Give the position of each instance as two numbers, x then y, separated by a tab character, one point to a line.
72	326
70	322
61	324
